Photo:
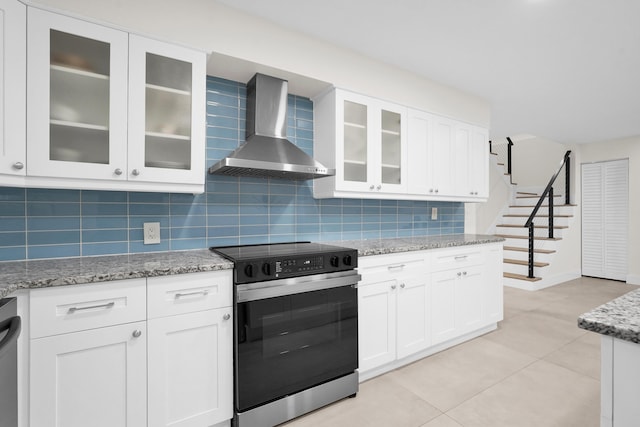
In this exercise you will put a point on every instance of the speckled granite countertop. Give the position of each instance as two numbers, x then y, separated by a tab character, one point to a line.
619	318
406	244
71	271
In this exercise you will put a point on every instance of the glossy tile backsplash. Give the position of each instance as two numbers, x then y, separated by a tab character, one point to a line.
48	223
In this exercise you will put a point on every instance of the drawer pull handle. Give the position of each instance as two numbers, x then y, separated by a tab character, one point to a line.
460	257
393	267
108	305
189	294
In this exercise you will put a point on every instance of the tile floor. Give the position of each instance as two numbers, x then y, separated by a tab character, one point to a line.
537	369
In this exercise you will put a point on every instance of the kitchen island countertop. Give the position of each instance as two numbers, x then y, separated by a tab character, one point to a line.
31	274
619	318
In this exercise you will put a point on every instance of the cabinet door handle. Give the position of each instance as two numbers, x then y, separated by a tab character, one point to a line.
402	285
137	333
118	171
371	187
431	190
18	165
393	287
378	187
107	305
226	316
135	172
459	274
394	267
464	273
188	294
436	190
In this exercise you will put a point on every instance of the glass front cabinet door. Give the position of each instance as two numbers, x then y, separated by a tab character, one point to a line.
166	113
76	98
372	148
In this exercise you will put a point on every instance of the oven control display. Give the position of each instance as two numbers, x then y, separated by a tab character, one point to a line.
295	265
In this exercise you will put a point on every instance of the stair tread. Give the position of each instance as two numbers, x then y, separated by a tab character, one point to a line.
542	216
539	251
509	236
555	227
521	262
520	277
542	206
495	154
533	196
526	192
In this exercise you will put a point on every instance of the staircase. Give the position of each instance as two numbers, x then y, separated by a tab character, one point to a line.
511	226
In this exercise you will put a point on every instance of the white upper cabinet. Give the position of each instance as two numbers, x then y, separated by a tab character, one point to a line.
77	98
13	28
364	139
166	112
447	159
113	111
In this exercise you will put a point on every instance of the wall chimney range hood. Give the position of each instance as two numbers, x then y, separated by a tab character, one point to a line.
267	153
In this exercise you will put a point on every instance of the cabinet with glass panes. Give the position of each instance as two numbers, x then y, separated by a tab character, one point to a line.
112	110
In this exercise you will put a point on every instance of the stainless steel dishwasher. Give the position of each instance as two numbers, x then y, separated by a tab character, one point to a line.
9	332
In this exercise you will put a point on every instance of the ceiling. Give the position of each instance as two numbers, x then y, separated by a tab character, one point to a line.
563	70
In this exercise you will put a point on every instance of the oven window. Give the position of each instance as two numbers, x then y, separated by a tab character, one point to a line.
290	343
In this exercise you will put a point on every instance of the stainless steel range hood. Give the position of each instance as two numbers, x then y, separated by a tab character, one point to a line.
267	153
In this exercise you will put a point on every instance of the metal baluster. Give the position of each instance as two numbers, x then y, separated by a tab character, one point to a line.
551	213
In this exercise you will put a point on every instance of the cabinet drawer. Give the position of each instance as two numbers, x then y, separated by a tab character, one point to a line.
389	266
445	259
76	308
186	293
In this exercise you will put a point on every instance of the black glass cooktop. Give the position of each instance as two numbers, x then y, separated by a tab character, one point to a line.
262	251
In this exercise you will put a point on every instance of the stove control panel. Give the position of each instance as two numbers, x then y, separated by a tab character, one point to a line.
249	271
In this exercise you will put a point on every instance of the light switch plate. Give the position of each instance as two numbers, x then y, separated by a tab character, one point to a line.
434	213
151	233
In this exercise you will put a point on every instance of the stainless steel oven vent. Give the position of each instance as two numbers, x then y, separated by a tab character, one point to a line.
267	152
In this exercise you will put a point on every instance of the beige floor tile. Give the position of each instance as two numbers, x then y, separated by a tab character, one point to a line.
449	378
581	356
535	334
380	402
518	300
442	421
541	395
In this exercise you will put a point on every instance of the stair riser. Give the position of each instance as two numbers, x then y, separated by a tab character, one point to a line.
524	256
544	210
521	231
529	201
561	221
523	269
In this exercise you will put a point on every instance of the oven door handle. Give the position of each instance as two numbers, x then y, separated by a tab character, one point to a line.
277	288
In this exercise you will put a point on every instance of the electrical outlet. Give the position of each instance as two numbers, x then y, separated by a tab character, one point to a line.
434	213
151	233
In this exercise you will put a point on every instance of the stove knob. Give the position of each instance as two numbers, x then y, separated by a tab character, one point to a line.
248	270
334	261
347	260
266	269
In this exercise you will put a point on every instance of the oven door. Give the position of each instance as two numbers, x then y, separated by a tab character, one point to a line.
293	334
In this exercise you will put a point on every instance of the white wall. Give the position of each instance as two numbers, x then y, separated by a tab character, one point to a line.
213	27
535	160
614	150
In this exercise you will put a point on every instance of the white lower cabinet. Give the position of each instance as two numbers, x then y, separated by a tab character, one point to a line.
417	303
92	378
393	317
142	352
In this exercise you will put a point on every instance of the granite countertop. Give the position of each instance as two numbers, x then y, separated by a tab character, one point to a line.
72	271
619	318
32	274
406	244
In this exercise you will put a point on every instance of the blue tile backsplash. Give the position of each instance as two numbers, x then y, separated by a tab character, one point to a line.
49	223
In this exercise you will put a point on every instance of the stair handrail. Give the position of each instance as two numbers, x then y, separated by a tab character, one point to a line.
548	191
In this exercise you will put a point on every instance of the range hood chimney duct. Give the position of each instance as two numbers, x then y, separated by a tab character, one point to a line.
267	153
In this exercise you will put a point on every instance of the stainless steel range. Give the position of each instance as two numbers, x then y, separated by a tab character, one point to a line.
295	329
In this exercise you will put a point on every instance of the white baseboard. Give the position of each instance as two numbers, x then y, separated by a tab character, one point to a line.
633	279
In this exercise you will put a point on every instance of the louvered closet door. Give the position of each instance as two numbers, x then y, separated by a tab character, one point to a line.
605	219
